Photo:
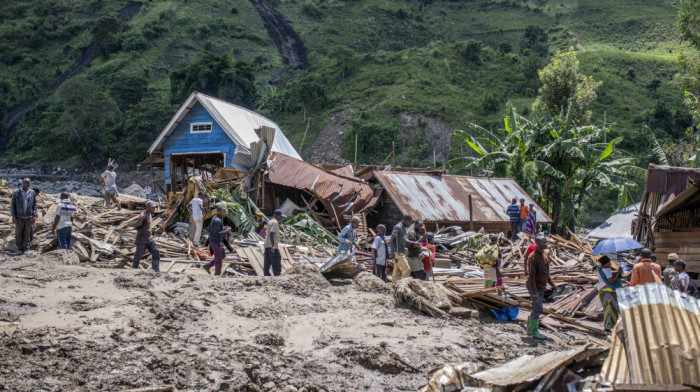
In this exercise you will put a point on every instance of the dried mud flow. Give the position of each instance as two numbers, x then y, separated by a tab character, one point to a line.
78	328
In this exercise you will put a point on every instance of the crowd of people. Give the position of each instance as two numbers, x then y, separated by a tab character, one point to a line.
409	248
523	218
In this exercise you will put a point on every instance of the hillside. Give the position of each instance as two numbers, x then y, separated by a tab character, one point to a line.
102	77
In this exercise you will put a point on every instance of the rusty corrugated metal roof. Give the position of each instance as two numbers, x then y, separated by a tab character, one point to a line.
657	340
343	192
445	198
618	225
345	171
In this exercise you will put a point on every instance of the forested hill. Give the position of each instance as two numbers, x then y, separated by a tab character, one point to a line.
83	79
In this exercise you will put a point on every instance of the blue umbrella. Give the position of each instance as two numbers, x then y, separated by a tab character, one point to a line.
616	245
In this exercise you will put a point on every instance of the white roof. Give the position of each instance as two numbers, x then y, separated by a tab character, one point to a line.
238	123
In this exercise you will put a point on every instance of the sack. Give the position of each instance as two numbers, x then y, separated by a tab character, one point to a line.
488	255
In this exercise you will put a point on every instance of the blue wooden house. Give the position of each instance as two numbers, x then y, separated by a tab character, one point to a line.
204	135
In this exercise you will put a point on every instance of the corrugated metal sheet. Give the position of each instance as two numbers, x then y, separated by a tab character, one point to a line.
618	225
530	368
445	198
686	200
344	193
657	340
238	123
345	171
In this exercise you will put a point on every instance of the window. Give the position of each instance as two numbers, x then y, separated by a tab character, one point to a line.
200	127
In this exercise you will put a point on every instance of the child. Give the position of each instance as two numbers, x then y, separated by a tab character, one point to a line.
380	253
429	261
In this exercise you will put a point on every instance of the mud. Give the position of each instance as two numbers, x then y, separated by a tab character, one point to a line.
78	328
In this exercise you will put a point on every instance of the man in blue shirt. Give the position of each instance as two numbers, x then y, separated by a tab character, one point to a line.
513	212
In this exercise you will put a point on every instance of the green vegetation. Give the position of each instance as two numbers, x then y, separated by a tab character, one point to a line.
558	161
388	61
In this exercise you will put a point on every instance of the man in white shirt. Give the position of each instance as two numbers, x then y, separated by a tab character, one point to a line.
272	258
63	222
109	180
196	207
380	253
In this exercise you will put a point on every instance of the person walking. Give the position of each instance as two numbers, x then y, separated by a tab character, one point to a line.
670	270
538	277
273	259
413	250
608	282
645	271
217	230
380	253
397	243
531	225
513	212
63	222
196	208
346	238
23	210
524	212
143	240
488	257
109	181
681	280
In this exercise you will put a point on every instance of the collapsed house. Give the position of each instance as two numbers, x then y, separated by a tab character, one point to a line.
450	200
205	135
669	215
331	199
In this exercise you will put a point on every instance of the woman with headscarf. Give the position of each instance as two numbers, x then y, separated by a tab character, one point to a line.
531	226
608	282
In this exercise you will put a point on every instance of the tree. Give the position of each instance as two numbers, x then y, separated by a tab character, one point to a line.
689	79
305	90
536	40
144	121
554	159
80	125
565	89
217	75
128	89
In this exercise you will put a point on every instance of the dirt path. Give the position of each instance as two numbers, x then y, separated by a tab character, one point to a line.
88	329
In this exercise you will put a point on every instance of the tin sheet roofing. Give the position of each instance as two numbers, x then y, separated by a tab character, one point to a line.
239	124
618	225
529	368
347	195
657	340
445	198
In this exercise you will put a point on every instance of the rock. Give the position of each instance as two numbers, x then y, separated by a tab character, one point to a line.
289	388
269	385
134	190
10	245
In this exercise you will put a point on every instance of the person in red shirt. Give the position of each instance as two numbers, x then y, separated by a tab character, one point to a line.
428	262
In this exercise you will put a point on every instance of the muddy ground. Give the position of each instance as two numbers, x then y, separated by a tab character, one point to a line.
80	328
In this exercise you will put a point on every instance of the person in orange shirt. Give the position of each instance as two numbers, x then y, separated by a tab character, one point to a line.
524	211
645	269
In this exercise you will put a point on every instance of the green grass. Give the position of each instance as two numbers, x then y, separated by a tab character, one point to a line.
406	56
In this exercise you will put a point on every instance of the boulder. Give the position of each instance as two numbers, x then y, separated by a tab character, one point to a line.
134	190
